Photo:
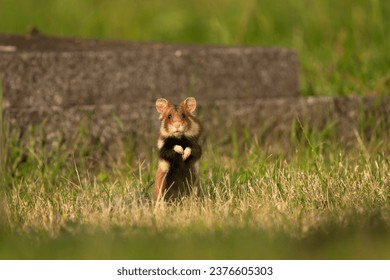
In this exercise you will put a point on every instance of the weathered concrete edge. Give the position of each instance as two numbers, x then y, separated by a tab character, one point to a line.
97	74
269	119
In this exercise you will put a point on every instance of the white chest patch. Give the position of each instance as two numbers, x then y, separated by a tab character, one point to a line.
163	165
160	143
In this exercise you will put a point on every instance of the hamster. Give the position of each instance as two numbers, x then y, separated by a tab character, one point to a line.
178	150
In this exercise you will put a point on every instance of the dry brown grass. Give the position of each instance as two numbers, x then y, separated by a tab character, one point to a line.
273	197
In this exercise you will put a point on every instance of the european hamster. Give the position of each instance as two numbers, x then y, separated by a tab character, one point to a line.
178	150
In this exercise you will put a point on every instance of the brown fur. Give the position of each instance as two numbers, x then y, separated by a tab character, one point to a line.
159	184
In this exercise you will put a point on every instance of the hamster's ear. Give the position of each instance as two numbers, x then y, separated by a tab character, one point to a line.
161	105
190	104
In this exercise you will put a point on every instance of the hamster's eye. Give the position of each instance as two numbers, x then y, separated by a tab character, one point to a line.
183	115
169	116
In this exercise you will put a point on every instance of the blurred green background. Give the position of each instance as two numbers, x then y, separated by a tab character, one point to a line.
343	46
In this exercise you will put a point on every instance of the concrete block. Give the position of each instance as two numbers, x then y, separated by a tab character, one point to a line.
40	71
270	120
110	87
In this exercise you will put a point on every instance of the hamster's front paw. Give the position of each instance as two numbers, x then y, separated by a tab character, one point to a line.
187	153
178	149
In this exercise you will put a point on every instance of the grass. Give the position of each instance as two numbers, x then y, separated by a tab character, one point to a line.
342	45
319	200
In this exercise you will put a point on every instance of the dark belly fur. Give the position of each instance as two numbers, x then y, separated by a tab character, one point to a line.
181	176
179	182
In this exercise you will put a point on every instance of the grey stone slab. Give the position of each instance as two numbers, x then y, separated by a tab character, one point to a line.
348	116
267	119
109	88
42	72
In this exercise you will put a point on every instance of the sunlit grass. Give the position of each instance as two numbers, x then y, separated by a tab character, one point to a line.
274	196
322	197
318	198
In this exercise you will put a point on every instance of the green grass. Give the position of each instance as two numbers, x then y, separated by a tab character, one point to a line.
318	200
342	45
236	243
